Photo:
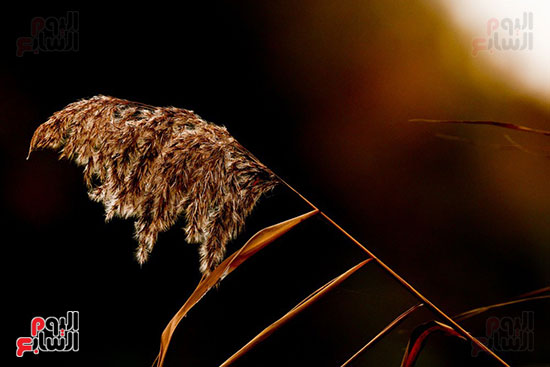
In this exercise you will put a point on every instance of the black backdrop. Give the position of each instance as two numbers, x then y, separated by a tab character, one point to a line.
218	60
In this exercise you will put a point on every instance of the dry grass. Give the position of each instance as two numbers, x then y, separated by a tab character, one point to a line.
308	301
252	246
421	333
157	163
505	125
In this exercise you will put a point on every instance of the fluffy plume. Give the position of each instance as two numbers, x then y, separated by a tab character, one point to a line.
157	163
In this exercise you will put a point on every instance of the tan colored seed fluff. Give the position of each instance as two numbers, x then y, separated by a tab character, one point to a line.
157	163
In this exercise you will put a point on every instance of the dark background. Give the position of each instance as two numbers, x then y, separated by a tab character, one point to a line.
321	93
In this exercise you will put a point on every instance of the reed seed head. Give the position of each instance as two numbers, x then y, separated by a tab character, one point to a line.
156	164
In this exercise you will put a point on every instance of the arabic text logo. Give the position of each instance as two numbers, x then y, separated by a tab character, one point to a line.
506	34
50	34
52	334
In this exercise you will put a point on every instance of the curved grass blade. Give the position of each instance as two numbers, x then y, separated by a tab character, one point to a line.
293	312
252	246
535	292
477	311
422	332
384	331
404	283
419	338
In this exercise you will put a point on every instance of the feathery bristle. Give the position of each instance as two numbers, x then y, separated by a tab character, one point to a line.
155	163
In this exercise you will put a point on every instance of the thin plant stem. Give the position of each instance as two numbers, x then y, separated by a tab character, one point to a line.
404	283
477	311
536	292
384	331
313	297
505	125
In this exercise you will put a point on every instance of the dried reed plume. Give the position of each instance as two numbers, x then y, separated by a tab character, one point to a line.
155	163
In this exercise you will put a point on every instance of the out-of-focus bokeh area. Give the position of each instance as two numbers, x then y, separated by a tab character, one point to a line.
321	91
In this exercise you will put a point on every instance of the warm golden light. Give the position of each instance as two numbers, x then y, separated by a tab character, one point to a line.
523	29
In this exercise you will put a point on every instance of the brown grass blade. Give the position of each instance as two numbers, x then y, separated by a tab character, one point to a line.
536	292
419	337
505	125
422	332
384	331
252	246
404	283
477	311
293	312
